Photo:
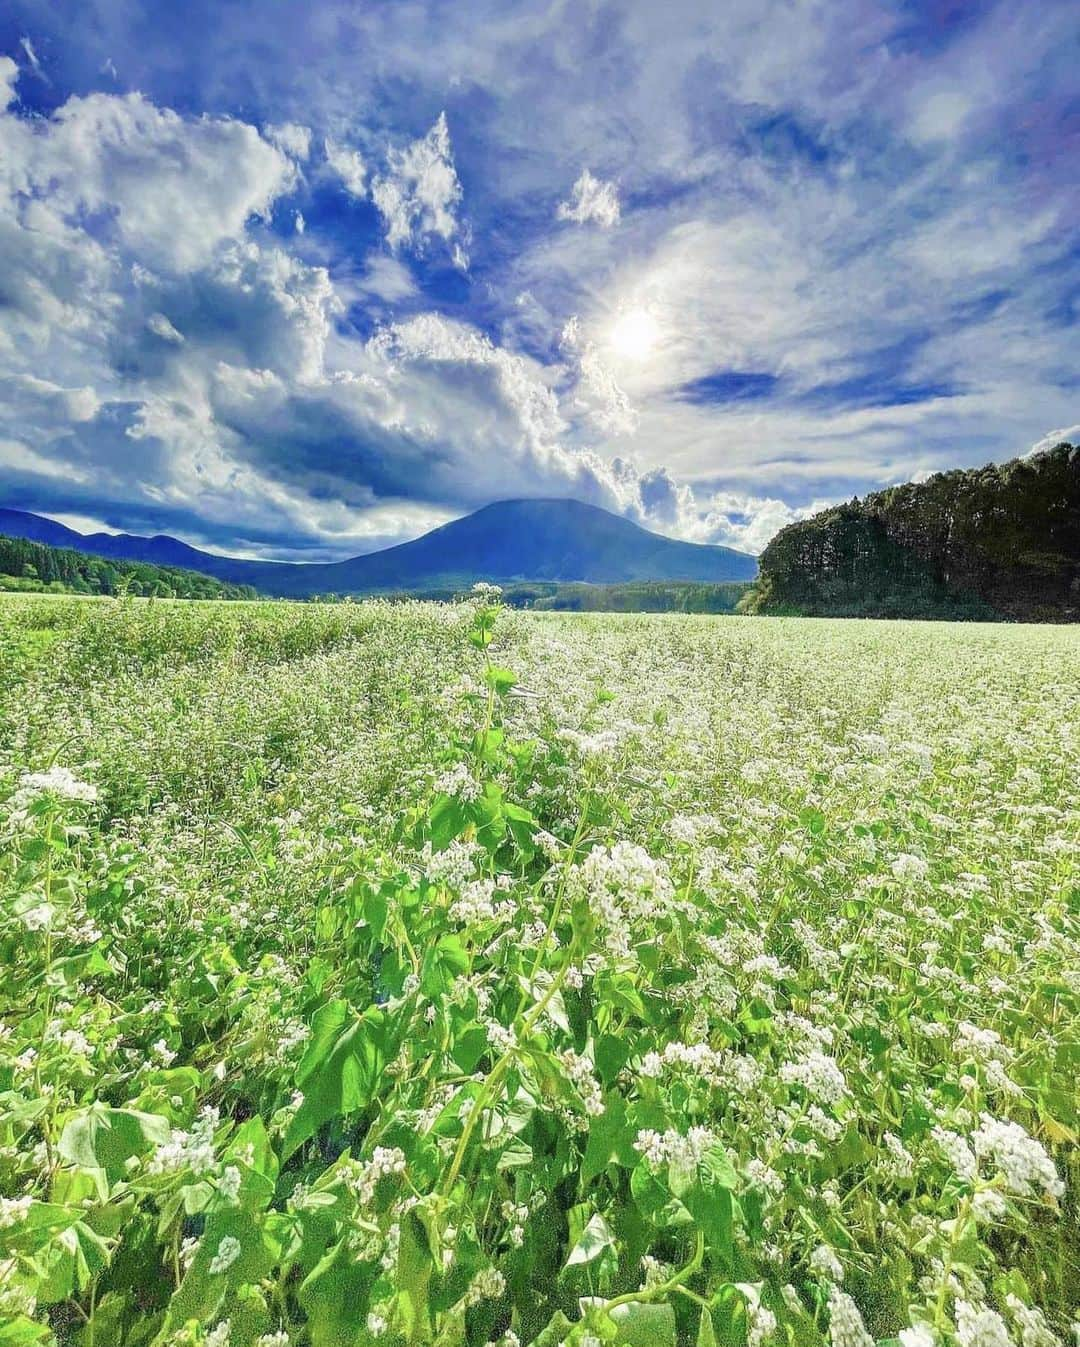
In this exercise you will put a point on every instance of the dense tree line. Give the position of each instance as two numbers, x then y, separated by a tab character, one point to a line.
26	565
652	596
1001	541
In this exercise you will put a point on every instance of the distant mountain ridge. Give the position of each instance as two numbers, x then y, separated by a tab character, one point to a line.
509	541
988	543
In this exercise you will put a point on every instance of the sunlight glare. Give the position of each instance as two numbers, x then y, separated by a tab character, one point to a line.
634	334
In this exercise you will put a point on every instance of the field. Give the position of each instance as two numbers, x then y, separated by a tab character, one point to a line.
445	974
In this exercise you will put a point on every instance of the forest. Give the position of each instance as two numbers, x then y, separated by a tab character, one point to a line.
992	543
36	568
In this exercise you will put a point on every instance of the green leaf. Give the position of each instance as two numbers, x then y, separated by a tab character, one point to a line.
596	1239
333	1296
610	1139
501	680
448	820
555	1332
641	1324
706	1336
106	1138
202	1292
343	1079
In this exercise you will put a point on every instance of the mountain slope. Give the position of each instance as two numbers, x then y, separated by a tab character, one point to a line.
508	541
996	542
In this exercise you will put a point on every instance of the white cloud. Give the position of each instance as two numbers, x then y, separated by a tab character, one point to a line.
9	75
829	210
1067	435
174	188
45	402
939	116
387	279
291	137
32	57
348	165
592	201
160	326
597	392
748	522
419	195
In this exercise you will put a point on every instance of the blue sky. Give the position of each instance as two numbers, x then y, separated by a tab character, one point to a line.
305	280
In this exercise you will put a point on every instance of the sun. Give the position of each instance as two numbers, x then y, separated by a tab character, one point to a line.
634	334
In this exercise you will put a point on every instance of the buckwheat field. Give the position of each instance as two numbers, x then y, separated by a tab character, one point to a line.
447	975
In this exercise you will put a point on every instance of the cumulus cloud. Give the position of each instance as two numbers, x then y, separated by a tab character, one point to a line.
171	189
419	194
592	201
9	74
348	165
249	414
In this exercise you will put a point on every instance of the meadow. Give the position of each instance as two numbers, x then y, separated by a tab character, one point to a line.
445	974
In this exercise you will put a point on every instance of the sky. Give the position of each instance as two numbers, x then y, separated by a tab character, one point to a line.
305	280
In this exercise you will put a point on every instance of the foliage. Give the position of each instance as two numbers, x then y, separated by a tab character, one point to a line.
994	542
433	974
30	566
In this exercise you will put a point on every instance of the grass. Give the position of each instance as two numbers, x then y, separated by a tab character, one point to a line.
443	974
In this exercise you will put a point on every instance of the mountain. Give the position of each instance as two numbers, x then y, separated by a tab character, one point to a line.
160	550
992	543
510	541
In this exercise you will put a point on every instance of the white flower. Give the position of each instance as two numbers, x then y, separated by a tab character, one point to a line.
385	1160
673	1148
228	1251
13	1210
819	1076
38	917
163	1053
957	1152
978	1326
919	1336
825	1263
846	1327
1020	1158
229	1185
278	1339
488	1283
989	1206
899	1163
453	866
760	1324
1034	1330
907	867
192	1150
60	782
457	782
218	1336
